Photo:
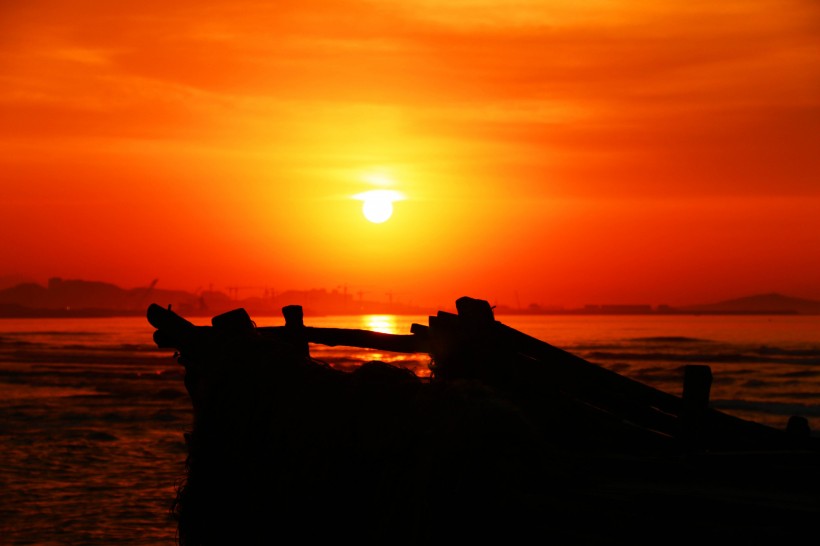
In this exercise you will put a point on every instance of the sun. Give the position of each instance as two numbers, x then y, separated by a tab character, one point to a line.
377	209
377	205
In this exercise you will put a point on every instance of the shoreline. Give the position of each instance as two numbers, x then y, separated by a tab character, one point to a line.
40	313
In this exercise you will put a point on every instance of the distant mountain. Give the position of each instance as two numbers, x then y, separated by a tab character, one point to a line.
75	297
759	304
7	281
69	297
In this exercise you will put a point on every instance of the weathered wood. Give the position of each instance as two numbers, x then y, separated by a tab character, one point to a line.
697	383
367	339
473	345
289	437
580	375
173	331
294	316
642	403
601	395
165	319
295	328
604	389
235	321
474	311
798	427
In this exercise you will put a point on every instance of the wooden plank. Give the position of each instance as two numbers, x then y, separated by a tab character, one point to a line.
381	341
476	345
644	404
165	319
173	331
581	376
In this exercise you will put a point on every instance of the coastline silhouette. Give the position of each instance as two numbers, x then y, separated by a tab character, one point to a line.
77	298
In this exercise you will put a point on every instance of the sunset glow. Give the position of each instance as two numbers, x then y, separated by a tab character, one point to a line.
551	152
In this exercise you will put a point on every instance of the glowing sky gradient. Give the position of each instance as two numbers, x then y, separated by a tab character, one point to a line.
550	152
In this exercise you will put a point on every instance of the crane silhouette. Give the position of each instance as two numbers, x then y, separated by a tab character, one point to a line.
142	296
233	291
391	294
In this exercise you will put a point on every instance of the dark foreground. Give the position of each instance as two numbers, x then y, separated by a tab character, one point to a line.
511	440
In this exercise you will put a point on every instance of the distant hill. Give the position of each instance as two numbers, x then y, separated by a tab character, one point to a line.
759	304
76	297
70	297
7	281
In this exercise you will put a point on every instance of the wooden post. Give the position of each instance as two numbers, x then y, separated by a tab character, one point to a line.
235	322
172	331
295	328
798	429
697	383
442	333
485	354
474	311
294	316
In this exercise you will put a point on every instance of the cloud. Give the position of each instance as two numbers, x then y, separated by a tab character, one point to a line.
682	97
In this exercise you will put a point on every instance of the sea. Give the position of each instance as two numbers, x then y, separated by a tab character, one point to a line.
93	414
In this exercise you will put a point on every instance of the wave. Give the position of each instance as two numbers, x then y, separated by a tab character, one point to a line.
670	339
774	408
17	391
112	358
766	350
55	333
655	374
122	347
726	358
10	341
801	374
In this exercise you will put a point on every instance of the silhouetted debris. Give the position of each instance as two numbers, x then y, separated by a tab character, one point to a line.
511	439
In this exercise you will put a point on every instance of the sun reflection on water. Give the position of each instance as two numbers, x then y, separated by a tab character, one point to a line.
380	323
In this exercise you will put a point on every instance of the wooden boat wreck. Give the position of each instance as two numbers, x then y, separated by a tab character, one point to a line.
510	439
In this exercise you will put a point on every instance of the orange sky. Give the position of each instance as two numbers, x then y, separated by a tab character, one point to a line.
551	152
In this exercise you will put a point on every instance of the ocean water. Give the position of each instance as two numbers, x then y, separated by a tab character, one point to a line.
92	413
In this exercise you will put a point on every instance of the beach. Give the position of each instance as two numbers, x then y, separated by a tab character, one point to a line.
93	414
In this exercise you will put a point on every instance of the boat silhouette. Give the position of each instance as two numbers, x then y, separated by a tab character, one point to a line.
509	438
